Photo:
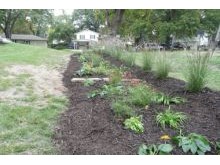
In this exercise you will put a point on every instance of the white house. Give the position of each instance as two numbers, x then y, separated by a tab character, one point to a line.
87	35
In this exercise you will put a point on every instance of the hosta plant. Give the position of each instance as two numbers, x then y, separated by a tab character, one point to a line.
194	143
162	149
135	124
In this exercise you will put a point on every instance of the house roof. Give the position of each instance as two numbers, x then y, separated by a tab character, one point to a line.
86	30
27	37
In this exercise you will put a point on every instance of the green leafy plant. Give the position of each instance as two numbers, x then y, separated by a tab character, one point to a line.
197	70
194	143
115	77
167	100
121	109
147	62
135	124
92	94
162	149
88	82
85	70
170	118
162	68
139	95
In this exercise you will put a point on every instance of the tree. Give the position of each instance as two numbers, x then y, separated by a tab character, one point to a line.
8	18
88	18
114	19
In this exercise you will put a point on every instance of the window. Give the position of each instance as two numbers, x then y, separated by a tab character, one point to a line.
82	37
92	36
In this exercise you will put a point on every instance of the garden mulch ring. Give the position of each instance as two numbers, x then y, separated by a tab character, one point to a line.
89	125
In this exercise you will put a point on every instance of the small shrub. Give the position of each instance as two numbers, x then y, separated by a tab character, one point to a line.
170	118
88	82
195	143
122	110
162	68
115	77
140	95
162	149
167	100
197	71
218	147
135	124
147	62
103	68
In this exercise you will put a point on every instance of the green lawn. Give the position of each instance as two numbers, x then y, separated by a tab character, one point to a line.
178	61
27	122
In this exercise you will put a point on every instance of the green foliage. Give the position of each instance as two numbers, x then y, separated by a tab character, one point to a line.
107	90
170	118
147	61
162	67
197	71
88	82
140	95
194	143
162	149
115	77
218	147
85	70
129	59
122	110
135	124
167	100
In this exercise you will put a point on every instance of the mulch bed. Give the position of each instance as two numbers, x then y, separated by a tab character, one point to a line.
89	125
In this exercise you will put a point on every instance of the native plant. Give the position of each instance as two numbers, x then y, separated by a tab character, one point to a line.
85	70
140	95
194	143
129	59
218	147
197	70
147	62
162	67
122	110
160	98
115	76
135	124
88	82
170	118
162	149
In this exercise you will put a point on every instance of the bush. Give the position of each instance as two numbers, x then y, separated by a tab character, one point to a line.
171	118
140	95
197	71
162	67
121	109
135	124
147	62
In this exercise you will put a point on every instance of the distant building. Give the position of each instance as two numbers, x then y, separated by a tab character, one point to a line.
85	38
28	39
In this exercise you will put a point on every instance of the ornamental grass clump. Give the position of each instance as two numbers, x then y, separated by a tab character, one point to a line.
197	71
147	61
162	67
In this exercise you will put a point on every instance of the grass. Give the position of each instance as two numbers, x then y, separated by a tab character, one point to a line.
27	128
147	63
162	66
197	71
178	62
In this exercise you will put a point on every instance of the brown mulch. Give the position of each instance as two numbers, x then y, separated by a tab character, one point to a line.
89	125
